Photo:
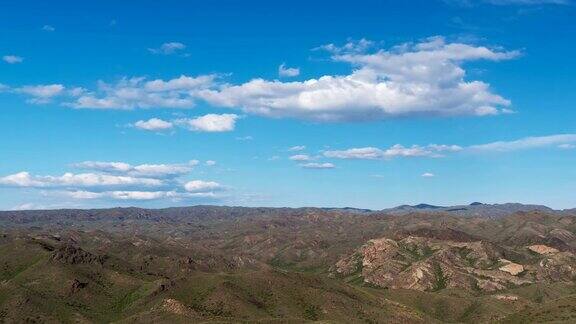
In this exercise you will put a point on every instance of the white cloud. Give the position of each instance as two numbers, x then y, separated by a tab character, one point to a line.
210	163
567	146
183	82
423	79
211	123
48	28
525	143
25	206
160	170
284	71
297	148
140	93
359	46
42	93
300	157
25	179
34	206
142	170
314	165
413	79
244	138
121	181
119	167
561	141
168	48
428	175
137	195
202	186
12	59
373	153
153	124
363	153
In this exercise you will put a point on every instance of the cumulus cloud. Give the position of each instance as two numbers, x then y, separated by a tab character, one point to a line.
48	28
373	153
25	179
352	46
12	59
210	163
314	165
121	181
211	123
202	186
284	71
428	175
426	78
153	124
142	93
42	93
168	48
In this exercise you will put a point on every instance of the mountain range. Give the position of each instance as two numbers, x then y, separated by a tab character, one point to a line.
507	263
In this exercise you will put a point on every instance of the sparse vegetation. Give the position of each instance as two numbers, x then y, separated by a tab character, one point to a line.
203	264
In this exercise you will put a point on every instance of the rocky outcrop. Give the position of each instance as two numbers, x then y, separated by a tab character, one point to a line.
542	249
72	254
431	264
174	306
511	267
75	286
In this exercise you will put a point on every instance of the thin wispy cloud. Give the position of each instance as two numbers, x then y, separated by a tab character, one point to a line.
527	143
373	153
12	59
562	141
168	48
297	148
315	165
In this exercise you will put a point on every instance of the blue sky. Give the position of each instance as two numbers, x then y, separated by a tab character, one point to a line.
300	103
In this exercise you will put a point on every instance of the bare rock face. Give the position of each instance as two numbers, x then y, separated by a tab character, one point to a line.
542	249
76	286
174	306
506	297
511	267
431	264
416	263
557	267
71	254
